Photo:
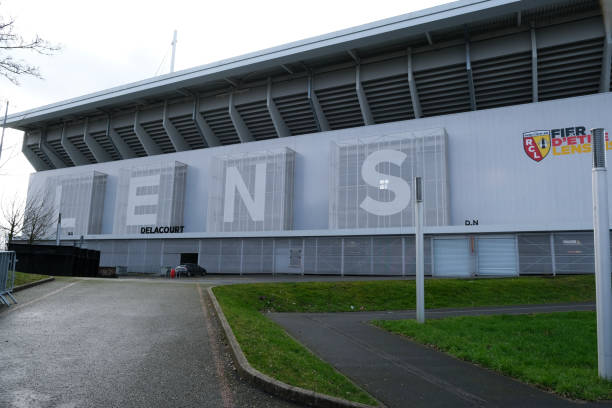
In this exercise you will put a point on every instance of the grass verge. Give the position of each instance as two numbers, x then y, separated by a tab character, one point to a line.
556	351
22	278
269	349
400	295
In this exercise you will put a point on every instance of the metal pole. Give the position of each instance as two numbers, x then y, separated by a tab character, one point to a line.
3	127
420	258
601	230
57	233
173	52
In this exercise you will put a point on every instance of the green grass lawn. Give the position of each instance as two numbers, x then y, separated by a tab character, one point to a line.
400	295
270	350
556	351
23	278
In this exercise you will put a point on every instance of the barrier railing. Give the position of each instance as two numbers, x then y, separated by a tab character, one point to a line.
7	276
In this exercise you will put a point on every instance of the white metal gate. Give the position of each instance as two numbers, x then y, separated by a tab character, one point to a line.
497	256
453	257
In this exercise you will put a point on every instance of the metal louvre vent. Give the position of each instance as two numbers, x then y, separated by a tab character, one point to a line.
257	118
341	106
130	138
105	143
36	150
187	128
503	81
443	90
156	130
79	143
56	146
221	124
570	69
297	114
389	98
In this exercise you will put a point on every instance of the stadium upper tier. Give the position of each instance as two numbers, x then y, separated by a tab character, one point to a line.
458	57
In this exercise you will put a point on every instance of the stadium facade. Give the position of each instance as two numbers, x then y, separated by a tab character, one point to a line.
300	158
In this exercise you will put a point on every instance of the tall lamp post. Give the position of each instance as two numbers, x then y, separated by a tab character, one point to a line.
601	231
420	261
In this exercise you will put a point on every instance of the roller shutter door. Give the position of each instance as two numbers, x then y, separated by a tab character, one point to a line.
497	256
453	257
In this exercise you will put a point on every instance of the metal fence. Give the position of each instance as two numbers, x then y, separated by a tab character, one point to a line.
7	276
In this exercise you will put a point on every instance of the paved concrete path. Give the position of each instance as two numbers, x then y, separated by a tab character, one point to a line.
108	343
402	373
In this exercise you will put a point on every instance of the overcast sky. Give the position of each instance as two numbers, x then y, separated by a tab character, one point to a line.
109	43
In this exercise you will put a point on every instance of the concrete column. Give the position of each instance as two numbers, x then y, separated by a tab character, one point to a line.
209	137
279	124
149	145
98	152
244	134
175	137
75	155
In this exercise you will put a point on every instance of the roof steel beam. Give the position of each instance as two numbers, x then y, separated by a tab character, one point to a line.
210	139
428	36
125	151
319	116
277	120
534	66
606	11
57	162
414	93
35	161
286	68
175	137
98	152
75	155
470	77
244	134
149	145
366	113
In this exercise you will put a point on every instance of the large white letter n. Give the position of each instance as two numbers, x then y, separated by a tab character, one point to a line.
255	205
399	186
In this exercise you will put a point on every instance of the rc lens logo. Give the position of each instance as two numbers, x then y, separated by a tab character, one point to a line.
573	140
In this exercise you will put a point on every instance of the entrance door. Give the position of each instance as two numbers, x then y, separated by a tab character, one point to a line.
453	257
497	256
189	258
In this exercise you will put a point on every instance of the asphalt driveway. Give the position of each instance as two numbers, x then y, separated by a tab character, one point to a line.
109	343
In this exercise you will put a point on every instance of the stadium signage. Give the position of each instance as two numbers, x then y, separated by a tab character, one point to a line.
537	144
176	229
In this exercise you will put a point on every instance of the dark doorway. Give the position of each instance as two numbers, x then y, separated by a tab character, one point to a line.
189	258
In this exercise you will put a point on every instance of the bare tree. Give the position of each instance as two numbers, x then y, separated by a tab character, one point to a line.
10	42
12	212
38	218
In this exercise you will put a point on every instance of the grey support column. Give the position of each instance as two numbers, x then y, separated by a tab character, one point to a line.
75	155
124	150
149	145
209	137
35	161
279	124
57	162
241	128
414	93
316	106
470	77
175	137
366	113
534	66
98	152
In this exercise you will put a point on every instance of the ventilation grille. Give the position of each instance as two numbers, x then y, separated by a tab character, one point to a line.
221	124
389	98
79	143
443	90
129	137
36	150
341	106
56	146
257	118
503	81
297	114
187	128
105	143
156	130
570	69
